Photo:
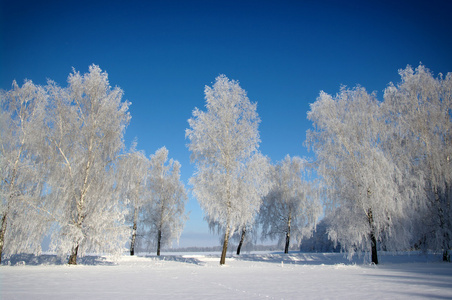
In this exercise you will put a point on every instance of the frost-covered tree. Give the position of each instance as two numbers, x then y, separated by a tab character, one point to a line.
292	206
165	215
223	141
22	113
362	180
418	111
85	137
134	171
254	184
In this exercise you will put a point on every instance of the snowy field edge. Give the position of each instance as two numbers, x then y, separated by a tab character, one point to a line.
326	258
254	275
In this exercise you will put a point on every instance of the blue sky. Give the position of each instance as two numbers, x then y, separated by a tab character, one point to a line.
163	53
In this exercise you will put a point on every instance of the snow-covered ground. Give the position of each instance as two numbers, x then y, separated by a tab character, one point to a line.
250	276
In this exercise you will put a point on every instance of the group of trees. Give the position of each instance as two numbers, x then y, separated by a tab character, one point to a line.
233	179
64	172
382	170
156	198
386	164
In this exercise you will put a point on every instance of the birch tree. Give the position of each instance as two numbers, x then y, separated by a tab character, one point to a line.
223	140
362	179
88	120
292	207
165	214
418	110
254	184
22	176
134	172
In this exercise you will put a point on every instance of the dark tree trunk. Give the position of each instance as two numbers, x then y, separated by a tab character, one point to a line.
373	241
73	256
446	256
132	242
159	239
442	222
2	235
446	241
134	232
241	241
225	247
286	248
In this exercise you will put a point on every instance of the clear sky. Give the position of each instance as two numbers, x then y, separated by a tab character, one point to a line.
163	53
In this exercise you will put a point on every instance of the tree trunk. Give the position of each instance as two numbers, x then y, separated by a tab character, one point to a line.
2	235
442	222
134	232
446	240
446	256
225	247
241	240
373	239
73	257
286	248
159	239
132	242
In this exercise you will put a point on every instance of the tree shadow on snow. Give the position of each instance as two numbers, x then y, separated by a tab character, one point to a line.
301	258
52	259
178	258
297	258
429	277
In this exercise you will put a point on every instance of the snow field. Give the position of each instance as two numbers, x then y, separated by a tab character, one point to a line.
250	276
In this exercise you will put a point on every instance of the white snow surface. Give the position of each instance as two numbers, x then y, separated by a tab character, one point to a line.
260	275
